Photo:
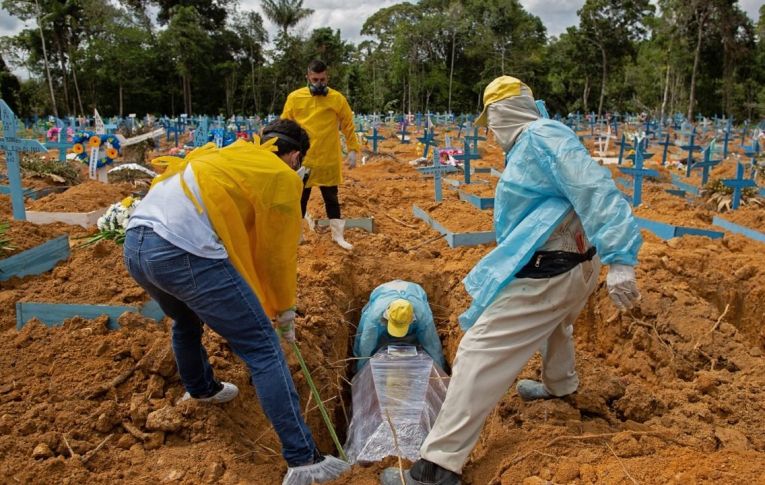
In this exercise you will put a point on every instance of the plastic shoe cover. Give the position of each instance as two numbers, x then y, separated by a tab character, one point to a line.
338	228
327	469
229	392
532	390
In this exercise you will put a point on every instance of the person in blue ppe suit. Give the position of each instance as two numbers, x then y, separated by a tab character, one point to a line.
558	216
397	313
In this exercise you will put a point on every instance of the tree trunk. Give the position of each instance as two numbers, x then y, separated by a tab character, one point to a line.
451	69
47	65
62	63
120	95
586	93
604	60
696	57
74	78
666	92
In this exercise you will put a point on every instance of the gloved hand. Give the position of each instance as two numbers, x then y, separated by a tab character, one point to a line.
352	159
286	325
622	286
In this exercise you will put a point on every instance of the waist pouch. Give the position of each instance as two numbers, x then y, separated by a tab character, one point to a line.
546	264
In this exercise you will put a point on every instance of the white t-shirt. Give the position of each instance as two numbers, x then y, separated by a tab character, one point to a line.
173	216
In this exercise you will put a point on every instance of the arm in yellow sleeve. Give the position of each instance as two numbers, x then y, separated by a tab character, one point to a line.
287	111
347	126
279	233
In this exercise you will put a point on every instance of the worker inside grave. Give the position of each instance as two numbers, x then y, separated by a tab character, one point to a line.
400	384
215	241
397	313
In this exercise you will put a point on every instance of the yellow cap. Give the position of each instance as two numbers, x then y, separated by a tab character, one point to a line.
500	88
399	314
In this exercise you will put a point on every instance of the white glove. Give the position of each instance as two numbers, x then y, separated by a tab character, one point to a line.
622	286
286	325
351	159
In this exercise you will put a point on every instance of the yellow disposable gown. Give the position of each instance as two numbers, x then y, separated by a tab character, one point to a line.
321	117
253	201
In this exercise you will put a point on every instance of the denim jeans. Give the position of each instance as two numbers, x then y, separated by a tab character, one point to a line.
192	290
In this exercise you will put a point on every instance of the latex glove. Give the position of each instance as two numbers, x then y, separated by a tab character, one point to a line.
352	159
286	325
622	286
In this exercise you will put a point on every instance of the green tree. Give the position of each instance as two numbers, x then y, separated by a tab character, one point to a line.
285	13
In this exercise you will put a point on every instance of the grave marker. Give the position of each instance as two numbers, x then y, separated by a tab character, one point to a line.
638	173
12	145
738	185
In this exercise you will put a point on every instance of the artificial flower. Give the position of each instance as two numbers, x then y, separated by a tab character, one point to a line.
78	148
112	153
95	141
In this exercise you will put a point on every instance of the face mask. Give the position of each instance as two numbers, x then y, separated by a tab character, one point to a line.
302	172
318	89
508	118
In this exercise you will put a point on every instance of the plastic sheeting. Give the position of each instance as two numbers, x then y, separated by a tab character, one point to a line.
401	383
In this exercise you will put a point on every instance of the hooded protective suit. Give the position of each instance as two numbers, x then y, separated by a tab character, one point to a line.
372	327
252	199
321	116
548	173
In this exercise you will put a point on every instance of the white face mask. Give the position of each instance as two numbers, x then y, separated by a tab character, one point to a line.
302	171
509	117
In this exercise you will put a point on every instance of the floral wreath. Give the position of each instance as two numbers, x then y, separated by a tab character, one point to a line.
108	147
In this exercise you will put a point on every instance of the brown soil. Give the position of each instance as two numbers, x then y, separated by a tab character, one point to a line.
24	235
486	190
86	197
749	216
459	216
672	392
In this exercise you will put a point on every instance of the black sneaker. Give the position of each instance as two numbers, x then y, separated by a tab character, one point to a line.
423	472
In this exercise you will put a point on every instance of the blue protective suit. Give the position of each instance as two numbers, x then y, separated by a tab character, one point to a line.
373	326
548	173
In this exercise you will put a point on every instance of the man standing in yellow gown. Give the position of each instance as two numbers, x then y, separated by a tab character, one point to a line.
321	111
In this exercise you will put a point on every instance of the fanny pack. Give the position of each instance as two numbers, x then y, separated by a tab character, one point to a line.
546	264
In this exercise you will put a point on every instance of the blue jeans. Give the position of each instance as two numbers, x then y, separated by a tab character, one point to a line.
192	290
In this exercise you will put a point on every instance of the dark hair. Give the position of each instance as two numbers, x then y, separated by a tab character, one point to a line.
289	136
317	66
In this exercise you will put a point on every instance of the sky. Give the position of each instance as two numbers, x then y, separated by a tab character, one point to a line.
350	16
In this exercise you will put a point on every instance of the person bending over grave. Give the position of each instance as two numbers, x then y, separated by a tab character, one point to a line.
321	110
397	313
555	207
215	242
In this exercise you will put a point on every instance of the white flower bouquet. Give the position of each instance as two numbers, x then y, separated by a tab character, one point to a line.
113	223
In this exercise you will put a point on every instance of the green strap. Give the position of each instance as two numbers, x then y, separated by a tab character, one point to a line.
316	396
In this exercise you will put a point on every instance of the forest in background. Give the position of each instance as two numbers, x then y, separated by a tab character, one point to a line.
211	57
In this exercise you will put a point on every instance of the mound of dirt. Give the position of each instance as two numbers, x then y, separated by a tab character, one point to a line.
85	197
24	235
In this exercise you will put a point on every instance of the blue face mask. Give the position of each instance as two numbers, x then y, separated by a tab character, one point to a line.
318	89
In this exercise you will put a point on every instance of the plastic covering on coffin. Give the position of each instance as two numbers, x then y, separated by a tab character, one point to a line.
401	383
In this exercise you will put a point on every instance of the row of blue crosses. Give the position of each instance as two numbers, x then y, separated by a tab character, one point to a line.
638	173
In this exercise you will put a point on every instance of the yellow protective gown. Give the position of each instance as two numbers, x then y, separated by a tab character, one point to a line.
321	116
253	201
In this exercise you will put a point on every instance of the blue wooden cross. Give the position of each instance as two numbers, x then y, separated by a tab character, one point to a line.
62	145
404	133
706	164
474	138
738	185
690	148
375	138
637	172
12	145
429	140
466	157
622	145
201	134
726	138
753	150
666	143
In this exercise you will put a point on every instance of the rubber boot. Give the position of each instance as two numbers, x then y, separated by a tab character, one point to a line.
338	228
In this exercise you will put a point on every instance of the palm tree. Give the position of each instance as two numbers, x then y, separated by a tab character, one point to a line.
285	13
